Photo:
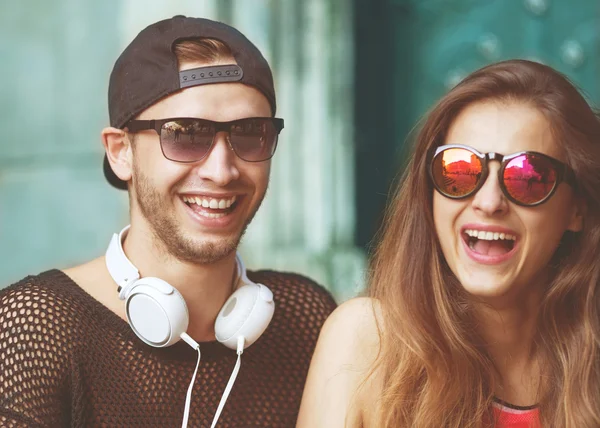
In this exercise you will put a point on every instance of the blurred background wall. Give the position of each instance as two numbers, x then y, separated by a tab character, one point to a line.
353	77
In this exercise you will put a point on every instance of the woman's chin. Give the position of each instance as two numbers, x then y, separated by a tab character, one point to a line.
486	286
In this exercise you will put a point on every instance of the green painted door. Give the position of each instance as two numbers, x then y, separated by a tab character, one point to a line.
409	53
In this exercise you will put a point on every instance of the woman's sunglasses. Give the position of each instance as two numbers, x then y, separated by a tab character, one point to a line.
188	139
526	178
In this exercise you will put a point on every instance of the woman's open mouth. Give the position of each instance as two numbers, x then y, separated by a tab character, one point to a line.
489	246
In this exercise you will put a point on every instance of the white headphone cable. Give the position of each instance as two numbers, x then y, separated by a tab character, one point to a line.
236	369
188	398
232	378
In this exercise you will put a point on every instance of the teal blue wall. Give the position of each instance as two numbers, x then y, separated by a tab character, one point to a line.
457	37
55	60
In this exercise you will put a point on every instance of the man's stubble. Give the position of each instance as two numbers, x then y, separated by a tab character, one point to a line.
168	234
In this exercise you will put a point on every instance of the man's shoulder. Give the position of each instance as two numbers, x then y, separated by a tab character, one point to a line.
301	308
32	287
296	291
44	300
36	326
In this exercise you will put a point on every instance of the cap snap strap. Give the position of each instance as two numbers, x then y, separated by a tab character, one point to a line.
211	74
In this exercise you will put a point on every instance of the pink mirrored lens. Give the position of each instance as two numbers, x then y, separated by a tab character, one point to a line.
529	178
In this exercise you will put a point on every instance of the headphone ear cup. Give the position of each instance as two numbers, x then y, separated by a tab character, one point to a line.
156	312
247	313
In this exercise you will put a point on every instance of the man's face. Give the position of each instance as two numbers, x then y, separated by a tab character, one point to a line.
198	211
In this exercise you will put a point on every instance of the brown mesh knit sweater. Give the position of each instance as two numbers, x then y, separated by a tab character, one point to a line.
67	360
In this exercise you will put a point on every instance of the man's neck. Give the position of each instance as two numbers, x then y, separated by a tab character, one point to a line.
205	287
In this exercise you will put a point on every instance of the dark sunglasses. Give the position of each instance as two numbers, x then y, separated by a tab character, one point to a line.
526	178
188	139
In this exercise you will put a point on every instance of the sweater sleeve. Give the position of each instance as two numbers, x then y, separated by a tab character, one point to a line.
33	345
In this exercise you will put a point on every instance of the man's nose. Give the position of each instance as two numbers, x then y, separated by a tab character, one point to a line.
220	164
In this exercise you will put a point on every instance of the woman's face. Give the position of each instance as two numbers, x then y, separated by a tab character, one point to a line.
495	269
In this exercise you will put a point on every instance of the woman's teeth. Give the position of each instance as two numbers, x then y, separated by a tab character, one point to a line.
489	236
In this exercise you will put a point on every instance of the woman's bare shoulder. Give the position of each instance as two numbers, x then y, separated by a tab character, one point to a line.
341	375
354	326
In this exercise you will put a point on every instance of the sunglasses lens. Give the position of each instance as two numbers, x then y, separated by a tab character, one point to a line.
254	140
186	140
529	178
456	172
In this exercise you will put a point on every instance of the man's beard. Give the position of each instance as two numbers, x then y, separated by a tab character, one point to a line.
166	230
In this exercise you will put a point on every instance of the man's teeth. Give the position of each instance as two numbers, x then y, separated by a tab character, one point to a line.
212	215
210	202
489	236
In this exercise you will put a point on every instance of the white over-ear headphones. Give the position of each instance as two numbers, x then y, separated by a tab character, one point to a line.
157	312
158	315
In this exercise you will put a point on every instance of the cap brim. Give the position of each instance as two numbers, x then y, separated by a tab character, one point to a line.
111	177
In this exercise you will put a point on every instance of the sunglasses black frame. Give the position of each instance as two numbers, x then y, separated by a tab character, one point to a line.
563	172
134	126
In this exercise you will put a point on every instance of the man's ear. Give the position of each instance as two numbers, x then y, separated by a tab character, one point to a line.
576	221
118	151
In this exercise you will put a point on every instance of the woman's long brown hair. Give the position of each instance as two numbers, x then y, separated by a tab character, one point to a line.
436	369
